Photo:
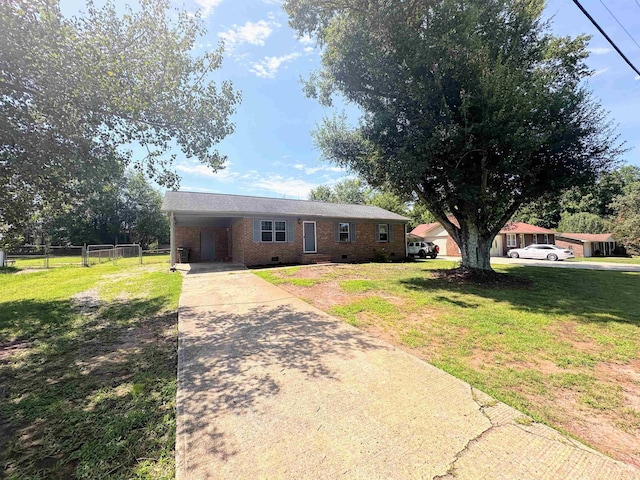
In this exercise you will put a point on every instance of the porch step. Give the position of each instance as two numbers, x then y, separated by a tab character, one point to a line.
316	258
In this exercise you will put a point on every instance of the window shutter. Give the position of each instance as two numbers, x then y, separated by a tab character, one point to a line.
290	231
377	232
390	230
352	231
336	231
256	231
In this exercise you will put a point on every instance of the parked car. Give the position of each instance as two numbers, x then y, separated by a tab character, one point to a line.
549	252
423	249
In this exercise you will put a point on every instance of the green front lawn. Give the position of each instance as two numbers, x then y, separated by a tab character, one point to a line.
565	349
88	372
630	260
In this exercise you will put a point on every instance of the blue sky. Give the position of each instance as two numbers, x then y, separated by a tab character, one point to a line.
271	152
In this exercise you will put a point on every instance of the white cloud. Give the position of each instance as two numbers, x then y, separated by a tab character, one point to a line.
291	187
314	170
306	40
599	50
308	49
189	188
207	6
254	33
268	67
600	72
637	77
203	170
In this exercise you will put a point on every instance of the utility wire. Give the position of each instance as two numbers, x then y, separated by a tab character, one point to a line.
604	34
621	26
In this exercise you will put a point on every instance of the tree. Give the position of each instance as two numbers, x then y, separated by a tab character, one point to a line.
322	193
389	201
346	191
582	222
474	107
626	227
126	210
75	93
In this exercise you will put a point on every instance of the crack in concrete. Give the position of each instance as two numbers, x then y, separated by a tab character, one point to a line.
482	408
450	473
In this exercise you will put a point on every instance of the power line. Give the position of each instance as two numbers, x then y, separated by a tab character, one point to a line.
621	26
604	34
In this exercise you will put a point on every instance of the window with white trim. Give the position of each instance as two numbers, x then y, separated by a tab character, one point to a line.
280	231
546	238
343	232
271	231
383	232
266	228
535	238
511	239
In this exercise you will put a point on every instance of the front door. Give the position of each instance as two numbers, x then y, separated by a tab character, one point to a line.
309	237
207	246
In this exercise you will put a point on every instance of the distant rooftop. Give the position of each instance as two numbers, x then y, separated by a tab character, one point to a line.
220	205
511	227
588	237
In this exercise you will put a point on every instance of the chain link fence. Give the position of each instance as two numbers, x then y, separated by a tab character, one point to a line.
49	256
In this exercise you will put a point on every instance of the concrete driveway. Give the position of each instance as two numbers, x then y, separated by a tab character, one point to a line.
270	387
616	267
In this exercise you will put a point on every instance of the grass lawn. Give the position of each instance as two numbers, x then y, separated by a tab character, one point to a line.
565	350
631	260
88	372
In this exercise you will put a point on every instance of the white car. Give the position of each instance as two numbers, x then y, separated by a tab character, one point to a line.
541	252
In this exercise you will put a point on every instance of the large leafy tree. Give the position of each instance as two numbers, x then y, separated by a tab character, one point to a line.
76	93
125	210
626	225
472	107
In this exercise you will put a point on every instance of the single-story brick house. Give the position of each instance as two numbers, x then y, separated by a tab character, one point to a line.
513	235
587	244
261	231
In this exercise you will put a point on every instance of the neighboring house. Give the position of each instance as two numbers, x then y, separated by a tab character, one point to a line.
513	235
261	231
587	244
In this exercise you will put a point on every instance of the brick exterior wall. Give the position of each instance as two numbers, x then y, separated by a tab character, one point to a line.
452	248
363	249
189	237
575	245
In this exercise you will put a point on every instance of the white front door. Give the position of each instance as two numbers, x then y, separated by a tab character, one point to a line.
309	237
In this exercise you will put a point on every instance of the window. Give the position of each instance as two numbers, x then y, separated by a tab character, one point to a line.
535	238
383	232
343	232
511	239
271	231
281	231
546	238
266	227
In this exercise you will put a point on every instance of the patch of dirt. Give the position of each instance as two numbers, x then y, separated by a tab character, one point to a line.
87	302
14	347
464	276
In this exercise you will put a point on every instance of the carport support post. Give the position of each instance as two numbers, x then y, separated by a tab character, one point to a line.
172	240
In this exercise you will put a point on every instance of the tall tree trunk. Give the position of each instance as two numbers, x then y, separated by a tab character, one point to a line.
475	249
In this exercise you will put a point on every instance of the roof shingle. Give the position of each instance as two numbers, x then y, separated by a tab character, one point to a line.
217	204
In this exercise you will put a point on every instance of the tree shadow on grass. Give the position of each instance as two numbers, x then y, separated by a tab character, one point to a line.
594	296
232	363
88	394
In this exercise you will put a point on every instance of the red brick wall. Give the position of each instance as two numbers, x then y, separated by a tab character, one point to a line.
363	249
189	237
575	245
452	248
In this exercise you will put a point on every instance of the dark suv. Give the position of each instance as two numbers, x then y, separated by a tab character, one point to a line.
423	249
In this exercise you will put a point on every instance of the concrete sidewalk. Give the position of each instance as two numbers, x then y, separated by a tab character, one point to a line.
270	387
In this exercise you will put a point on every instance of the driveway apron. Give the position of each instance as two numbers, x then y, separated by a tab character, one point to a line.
270	387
